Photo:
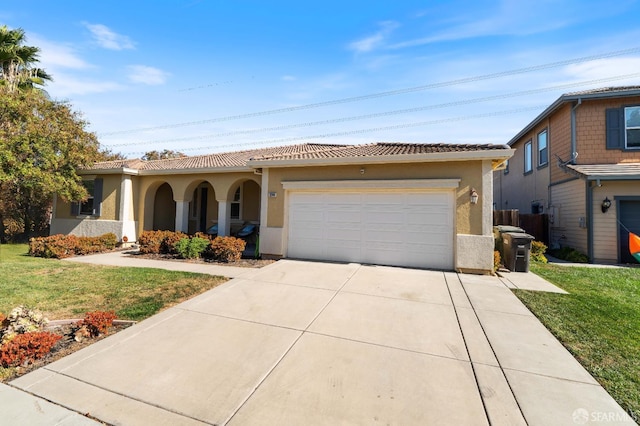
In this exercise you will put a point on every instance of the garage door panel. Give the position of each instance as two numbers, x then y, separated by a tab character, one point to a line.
393	228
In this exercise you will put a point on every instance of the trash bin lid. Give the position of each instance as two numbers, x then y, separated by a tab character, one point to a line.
520	236
508	228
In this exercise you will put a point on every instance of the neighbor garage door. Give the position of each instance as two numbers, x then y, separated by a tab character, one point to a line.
389	228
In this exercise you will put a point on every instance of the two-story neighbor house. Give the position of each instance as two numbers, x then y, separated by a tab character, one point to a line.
579	162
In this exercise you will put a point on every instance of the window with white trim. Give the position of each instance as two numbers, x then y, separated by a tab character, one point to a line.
528	154
543	149
91	206
632	127
236	204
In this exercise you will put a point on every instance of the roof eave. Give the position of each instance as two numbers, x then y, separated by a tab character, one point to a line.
493	154
118	171
570	98
190	171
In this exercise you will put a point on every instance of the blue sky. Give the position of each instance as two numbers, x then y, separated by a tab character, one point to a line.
188	75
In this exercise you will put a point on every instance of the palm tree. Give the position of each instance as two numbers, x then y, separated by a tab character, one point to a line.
17	60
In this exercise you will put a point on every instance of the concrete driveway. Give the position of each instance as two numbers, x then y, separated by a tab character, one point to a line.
323	344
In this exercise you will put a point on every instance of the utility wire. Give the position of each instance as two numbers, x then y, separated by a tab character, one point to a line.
380	114
361	131
387	93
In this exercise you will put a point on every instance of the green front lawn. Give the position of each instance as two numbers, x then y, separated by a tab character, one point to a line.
67	290
598	322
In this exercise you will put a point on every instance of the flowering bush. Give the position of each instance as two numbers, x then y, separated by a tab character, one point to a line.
27	347
21	320
225	249
537	251
97	322
497	260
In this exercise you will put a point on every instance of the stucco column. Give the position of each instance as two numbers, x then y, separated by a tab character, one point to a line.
182	216
126	188
224	222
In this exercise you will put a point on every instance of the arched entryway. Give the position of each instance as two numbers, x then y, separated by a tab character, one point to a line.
164	209
244	204
203	208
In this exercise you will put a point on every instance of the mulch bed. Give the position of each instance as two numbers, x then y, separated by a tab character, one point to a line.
65	346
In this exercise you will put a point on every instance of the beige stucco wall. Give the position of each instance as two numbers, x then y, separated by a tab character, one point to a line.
250	202
110	200
605	226
469	173
567	207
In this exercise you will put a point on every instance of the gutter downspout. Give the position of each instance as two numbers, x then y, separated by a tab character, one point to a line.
574	142
589	212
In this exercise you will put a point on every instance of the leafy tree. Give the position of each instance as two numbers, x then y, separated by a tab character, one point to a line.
17	61
163	155
42	144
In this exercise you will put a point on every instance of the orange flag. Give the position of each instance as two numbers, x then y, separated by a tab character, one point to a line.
634	246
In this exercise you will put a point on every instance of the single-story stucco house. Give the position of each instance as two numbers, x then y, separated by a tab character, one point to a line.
401	204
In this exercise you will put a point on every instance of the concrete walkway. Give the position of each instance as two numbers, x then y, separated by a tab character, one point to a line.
124	258
318	343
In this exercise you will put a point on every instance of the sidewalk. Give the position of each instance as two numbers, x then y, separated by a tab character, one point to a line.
124	258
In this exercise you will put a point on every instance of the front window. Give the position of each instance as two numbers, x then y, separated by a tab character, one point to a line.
86	207
543	151
235	204
632	126
528	153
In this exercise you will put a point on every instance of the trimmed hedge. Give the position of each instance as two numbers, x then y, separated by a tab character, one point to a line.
61	246
221	249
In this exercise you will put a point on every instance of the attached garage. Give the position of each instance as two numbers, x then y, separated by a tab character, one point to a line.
399	223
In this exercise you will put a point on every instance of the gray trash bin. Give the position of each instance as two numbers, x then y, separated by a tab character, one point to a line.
517	249
498	230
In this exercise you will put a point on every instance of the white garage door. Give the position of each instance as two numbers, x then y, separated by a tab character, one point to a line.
389	228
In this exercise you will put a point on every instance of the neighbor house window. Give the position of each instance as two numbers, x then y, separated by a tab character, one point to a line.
235	203
543	150
528	154
91	206
632	127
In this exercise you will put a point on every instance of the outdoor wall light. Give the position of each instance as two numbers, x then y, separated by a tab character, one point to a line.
606	203
474	196
362	171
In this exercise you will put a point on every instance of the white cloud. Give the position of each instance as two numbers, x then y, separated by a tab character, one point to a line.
288	78
66	85
147	75
57	55
376	40
109	39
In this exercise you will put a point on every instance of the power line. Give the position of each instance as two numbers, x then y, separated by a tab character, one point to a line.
380	114
384	94
362	131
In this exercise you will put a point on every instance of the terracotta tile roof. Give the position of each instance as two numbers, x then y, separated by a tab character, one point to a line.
231	159
118	164
380	149
292	152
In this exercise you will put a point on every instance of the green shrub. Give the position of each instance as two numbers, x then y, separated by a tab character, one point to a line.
537	251
167	246
569	254
27	347
225	249
191	248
